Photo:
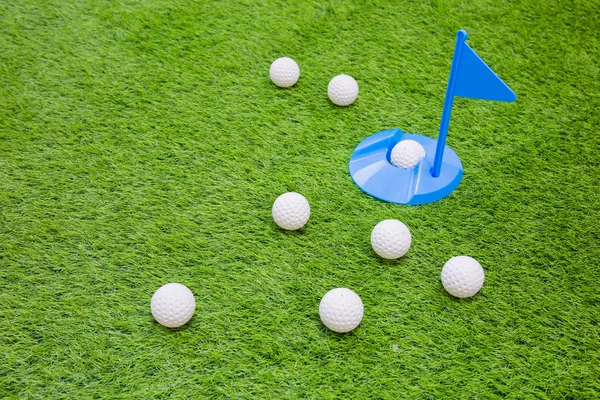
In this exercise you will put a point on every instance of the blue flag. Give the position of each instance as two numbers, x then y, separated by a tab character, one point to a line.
469	77
430	180
476	80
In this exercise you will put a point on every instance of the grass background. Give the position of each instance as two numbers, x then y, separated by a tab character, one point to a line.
141	142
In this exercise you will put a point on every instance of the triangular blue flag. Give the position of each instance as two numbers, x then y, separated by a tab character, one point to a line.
469	77
476	80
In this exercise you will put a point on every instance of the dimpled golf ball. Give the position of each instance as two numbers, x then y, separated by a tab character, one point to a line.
390	239
462	276
342	90
291	211
341	310
284	72
407	154
172	305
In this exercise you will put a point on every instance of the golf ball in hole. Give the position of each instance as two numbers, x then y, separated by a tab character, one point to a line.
341	310
407	154
173	305
462	276
284	72
390	239
342	90
291	211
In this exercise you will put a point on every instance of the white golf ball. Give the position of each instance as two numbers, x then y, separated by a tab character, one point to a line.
390	239
284	72
173	305
462	276
341	310
291	211
407	154
342	90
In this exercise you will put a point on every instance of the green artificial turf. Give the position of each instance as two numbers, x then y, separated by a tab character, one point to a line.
142	142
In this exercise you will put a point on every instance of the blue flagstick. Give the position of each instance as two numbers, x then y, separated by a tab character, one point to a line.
461	36
440	171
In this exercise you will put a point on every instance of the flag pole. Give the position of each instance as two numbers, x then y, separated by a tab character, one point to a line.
461	36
